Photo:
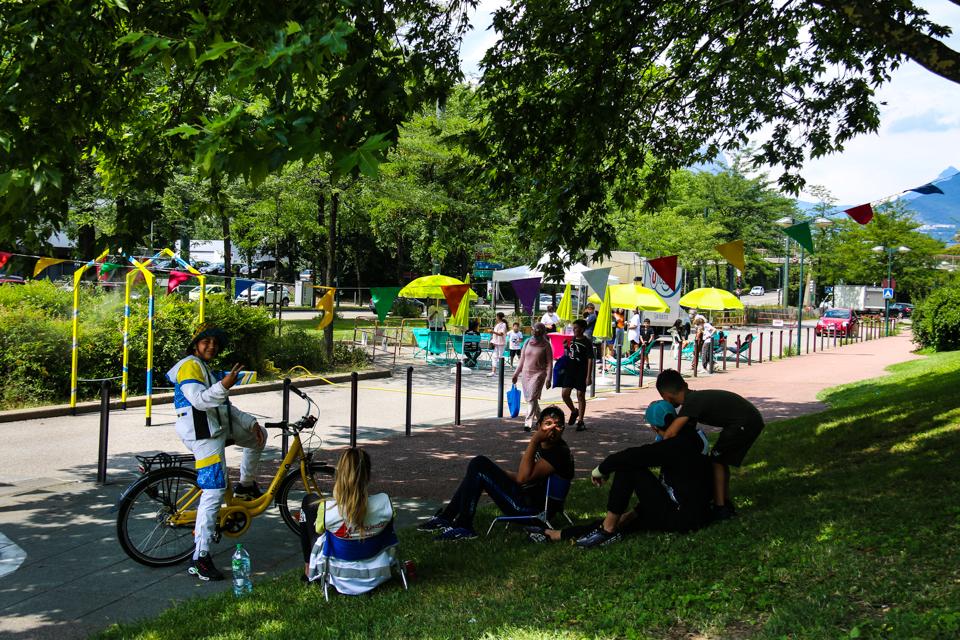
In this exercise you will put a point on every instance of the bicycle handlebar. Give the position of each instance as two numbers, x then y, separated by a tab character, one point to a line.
275	425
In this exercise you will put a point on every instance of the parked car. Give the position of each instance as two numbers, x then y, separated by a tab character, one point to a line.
757	291
838	321
11	279
547	299
214	269
901	309
258	294
212	289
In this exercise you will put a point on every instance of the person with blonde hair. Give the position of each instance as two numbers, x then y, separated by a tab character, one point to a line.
351	514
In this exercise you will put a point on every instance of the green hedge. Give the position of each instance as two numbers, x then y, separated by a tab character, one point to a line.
35	339
936	320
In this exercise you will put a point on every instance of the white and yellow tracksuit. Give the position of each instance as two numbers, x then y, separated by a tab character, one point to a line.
205	421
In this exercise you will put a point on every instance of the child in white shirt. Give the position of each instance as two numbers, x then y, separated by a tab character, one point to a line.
514	341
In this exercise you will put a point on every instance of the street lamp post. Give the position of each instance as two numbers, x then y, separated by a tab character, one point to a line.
785	222
886	301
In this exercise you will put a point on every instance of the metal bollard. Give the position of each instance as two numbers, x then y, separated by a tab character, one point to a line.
104	432
723	350
737	366
679	353
710	355
814	342
781	345
640	377
409	419
354	384
696	356
500	375
834	338
285	416
619	356
807	332
789	339
760	333
770	353
456	394
661	357
750	353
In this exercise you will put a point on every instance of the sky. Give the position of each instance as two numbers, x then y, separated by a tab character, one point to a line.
919	133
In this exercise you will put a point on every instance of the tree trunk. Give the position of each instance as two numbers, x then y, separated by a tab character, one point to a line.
331	265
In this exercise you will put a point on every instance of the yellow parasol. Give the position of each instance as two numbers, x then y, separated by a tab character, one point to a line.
633	296
710	299
429	287
603	328
565	310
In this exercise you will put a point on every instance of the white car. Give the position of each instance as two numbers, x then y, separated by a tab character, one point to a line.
212	289
258	294
757	291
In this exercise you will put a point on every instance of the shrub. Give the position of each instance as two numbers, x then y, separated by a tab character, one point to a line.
297	347
936	320
41	295
34	357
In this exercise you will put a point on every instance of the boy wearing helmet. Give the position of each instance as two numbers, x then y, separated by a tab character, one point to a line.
205	421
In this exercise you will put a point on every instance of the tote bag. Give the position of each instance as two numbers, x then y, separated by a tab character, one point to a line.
513	401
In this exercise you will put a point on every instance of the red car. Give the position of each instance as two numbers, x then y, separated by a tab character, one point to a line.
840	322
11	279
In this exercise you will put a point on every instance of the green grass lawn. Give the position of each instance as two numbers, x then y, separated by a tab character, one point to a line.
849	527
343	327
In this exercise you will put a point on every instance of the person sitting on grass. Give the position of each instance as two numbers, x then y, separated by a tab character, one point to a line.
679	500
738	418
515	493
351	514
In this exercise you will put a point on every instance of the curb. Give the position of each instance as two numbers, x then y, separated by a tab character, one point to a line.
34	413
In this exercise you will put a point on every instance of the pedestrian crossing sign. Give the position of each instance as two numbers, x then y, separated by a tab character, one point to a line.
888	294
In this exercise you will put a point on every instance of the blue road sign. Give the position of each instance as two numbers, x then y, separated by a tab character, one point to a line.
888	294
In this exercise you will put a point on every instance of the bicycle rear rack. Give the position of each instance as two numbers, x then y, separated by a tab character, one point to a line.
164	460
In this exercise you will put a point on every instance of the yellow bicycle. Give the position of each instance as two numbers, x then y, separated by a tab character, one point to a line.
157	513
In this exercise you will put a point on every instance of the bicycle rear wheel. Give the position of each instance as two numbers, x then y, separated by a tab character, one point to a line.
157	516
291	493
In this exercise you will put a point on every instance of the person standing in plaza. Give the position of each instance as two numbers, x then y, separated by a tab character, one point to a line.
534	369
578	373
550	319
498	340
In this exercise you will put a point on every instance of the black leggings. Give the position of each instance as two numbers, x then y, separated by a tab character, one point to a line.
483	475
308	523
655	510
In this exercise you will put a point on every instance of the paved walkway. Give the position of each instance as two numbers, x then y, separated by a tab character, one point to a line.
74	578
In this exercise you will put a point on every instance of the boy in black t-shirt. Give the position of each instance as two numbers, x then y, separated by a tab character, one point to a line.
578	373
738	418
516	494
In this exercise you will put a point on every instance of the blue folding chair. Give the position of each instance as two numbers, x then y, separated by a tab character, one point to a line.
335	548
553	505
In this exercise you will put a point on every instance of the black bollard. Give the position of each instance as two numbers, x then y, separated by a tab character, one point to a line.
354	383
661	357
284	439
409	421
456	394
104	431
500	374
618	354
737	366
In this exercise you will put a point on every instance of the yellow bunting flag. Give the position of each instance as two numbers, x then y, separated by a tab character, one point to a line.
325	304
733	252
43	263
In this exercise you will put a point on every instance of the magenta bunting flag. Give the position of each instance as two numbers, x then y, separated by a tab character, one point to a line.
862	213
526	290
666	268
175	278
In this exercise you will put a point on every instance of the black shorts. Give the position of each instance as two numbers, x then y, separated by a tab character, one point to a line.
514	352
574	378
734	442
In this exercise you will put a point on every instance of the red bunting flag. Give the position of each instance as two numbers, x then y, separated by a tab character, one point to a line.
175	278
666	268
4	256
862	213
453	294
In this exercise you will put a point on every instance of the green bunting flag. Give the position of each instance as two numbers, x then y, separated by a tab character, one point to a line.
801	233
383	298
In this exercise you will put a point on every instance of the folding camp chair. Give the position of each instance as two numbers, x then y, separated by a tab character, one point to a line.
437	347
335	549
421	337
553	505
744	347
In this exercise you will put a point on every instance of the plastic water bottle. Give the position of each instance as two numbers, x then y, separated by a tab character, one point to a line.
241	572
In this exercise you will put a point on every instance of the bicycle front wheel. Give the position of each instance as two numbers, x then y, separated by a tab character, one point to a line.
292	491
157	517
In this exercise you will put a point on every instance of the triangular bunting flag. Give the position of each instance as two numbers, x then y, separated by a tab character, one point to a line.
453	294
565	310
176	278
462	316
666	268
43	263
240	285
526	290
604	326
927	189
801	233
103	269
382	298
733	252
325	304
4	256
862	213
597	279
